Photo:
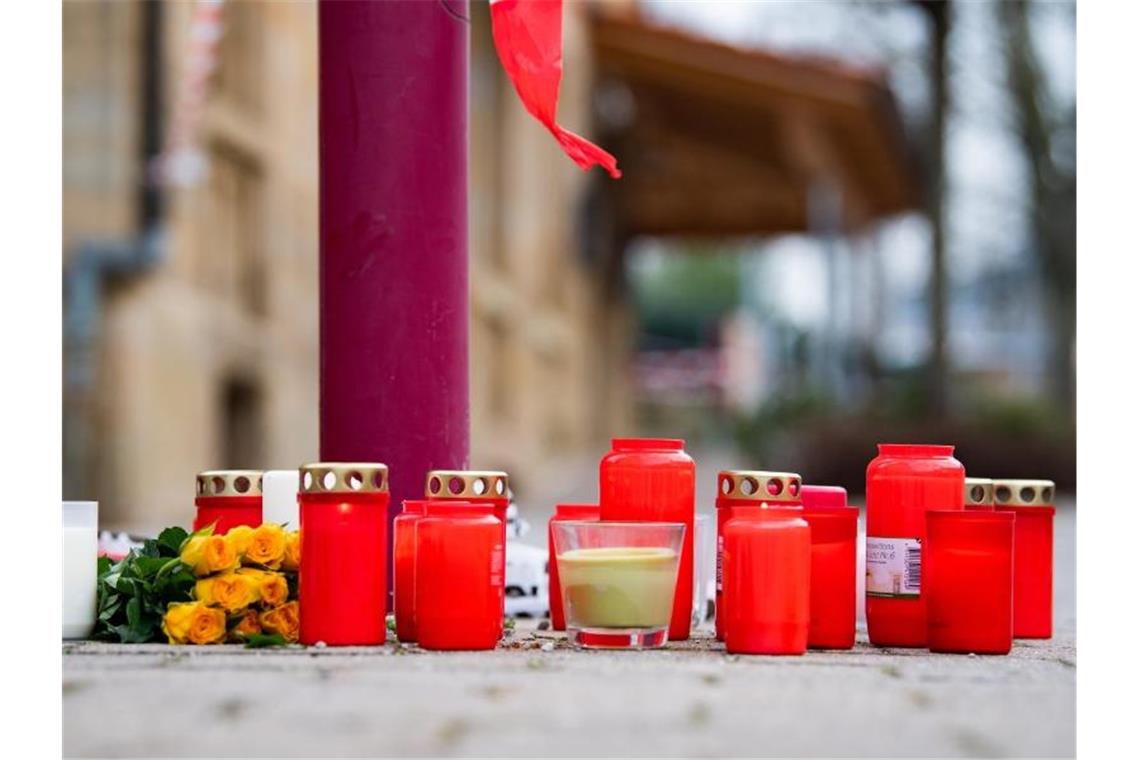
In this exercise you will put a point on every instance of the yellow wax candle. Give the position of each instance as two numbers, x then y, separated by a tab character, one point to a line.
618	587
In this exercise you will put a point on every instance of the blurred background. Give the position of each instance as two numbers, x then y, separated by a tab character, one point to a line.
840	223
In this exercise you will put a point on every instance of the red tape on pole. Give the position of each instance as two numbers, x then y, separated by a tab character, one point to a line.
528	38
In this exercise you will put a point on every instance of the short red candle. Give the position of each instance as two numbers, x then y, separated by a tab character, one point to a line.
562	512
1031	501
767	560
654	480
746	489
228	498
904	481
343	580
404	568
968	583
834	551
459	576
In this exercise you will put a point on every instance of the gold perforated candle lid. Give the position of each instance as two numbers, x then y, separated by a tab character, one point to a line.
229	483
344	477
466	484
1024	493
979	492
757	485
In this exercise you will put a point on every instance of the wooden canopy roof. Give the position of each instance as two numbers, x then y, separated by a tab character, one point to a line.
716	140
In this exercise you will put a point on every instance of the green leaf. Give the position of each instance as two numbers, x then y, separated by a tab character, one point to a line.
171	540
206	531
259	640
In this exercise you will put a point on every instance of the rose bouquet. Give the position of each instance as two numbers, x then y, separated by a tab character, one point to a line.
204	588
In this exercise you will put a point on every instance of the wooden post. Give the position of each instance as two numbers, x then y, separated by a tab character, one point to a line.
393	256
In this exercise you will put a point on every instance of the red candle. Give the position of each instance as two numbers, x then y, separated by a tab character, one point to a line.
834	534
228	498
459	576
968	567
903	482
404	568
746	489
979	494
1031	501
344	538
767	564
562	512
489	487
654	480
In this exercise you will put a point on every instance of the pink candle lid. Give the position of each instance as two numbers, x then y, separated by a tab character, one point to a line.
823	497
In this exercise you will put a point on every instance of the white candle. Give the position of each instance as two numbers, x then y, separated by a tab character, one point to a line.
279	497
80	551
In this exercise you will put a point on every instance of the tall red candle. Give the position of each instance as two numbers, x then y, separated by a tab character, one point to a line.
562	512
227	498
393	237
744	489
404	568
834	556
903	482
968	565
1031	501
459	576
654	480
342	584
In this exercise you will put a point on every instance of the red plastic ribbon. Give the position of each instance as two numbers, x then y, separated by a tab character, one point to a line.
528	38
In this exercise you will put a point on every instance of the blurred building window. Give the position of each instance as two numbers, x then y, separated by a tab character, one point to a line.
234	252
240	70
242	424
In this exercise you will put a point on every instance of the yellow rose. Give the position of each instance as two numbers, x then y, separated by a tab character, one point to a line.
209	554
292	559
247	625
229	591
272	588
285	620
239	536
193	623
266	546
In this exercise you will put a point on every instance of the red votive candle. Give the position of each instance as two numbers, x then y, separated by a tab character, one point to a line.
228	498
746	489
1031	501
562	512
903	482
489	487
459	576
767	567
968	583
654	480
979	494
834	537
343	580
404	568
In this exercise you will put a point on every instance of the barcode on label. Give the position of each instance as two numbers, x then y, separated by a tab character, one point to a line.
913	569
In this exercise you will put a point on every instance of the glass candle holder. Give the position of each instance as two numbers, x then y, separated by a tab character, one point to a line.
404	568
80	556
654	480
228	498
562	513
279	490
1031	501
904	481
619	581
343	579
968	581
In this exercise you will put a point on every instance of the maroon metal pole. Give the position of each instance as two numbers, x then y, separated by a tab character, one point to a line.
393	258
